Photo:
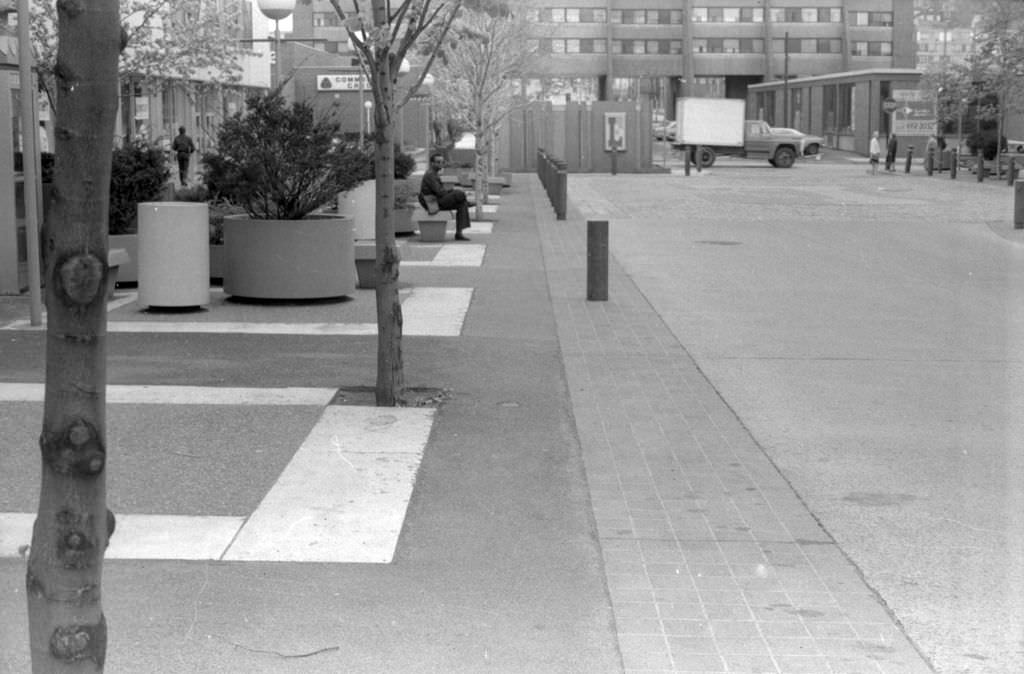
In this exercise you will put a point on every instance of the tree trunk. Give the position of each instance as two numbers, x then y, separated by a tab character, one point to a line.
67	629
390	370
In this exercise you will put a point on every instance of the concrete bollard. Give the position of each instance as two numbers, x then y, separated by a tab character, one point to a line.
910	158
1018	204
980	166
562	192
597	260
686	151
954	160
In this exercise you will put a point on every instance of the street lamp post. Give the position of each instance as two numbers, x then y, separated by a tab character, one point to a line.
277	10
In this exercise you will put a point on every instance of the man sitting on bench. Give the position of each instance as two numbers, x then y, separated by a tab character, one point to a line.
434	196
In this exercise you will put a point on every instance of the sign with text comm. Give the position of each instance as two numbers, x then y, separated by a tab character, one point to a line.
342	82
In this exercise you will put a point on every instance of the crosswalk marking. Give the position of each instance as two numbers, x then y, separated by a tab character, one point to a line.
184	395
342	498
427	312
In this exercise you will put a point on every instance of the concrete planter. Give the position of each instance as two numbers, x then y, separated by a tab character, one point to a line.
306	259
432	230
403	221
494	186
360	204
174	254
366	258
129	243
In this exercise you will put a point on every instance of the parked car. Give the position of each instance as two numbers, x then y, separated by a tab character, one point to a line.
809	144
664	130
1015	146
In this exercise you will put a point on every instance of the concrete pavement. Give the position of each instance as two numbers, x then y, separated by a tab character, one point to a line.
597	494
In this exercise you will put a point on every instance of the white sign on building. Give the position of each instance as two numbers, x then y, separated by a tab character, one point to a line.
342	82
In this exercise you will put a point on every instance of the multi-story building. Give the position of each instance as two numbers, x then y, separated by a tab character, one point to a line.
611	49
944	32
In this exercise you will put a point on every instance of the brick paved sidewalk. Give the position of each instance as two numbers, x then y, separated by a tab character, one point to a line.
713	563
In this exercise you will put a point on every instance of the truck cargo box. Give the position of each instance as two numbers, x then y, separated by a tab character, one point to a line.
710	121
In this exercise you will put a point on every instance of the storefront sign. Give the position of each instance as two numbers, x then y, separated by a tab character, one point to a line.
342	82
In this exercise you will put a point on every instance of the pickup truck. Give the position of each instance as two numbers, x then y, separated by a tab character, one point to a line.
717	126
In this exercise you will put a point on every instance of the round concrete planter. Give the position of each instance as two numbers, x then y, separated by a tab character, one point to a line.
174	254
360	204
308	259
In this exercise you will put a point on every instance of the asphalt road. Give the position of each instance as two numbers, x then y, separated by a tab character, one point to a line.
868	330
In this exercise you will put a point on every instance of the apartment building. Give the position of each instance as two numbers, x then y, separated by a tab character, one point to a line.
620	49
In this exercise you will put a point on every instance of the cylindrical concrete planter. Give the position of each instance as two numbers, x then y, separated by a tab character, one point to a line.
174	254
360	203
308	259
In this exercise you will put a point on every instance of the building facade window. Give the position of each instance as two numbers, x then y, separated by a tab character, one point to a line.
883	19
863	48
569	46
712	45
725	15
806	14
567	15
646	16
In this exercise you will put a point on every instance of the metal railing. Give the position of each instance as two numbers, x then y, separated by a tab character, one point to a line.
553	176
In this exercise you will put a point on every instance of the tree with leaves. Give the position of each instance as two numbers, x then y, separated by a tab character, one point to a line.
997	63
168	40
67	629
487	48
384	33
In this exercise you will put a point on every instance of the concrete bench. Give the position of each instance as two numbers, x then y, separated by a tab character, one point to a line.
433	228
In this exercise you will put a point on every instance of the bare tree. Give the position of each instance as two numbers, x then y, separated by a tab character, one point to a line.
488	48
167	40
67	629
384	33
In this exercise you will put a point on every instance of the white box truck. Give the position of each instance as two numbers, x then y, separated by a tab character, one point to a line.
717	126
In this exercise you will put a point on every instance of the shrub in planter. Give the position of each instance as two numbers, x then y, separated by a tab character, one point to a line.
282	162
138	173
405	164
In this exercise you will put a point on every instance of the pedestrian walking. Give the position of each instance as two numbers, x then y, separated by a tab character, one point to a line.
874	152
434	196
890	152
183	147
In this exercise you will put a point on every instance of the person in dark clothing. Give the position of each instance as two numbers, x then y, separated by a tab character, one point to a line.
183	147
890	153
448	199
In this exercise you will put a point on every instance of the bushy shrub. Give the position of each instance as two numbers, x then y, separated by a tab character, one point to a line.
138	173
405	164
282	162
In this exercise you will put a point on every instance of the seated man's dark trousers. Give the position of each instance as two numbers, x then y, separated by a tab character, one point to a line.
455	200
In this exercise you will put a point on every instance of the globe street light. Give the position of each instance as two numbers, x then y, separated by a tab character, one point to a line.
277	10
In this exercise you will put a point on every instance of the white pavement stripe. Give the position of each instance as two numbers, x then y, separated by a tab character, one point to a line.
343	496
430	310
185	395
453	255
448	307
141	536
245	328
